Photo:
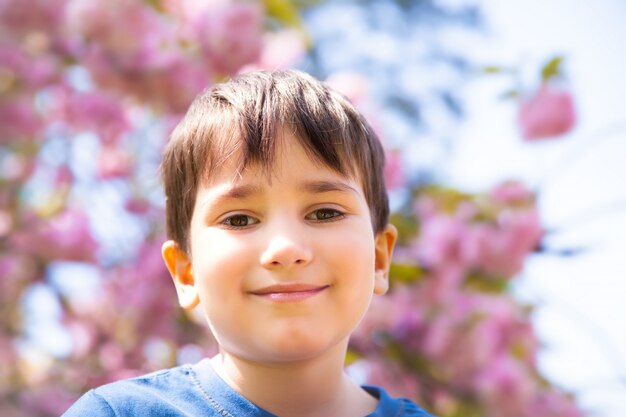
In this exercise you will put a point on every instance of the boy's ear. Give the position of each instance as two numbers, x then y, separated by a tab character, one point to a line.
385	241
181	271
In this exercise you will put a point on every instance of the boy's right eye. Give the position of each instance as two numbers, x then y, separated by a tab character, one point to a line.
239	221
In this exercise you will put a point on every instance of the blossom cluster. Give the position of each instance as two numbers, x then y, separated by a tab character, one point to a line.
449	334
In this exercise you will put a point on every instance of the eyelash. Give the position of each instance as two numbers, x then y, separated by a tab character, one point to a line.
335	215
227	222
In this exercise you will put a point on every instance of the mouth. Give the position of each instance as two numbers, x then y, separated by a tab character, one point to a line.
289	292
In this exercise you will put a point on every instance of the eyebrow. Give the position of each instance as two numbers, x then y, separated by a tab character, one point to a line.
237	192
323	186
240	192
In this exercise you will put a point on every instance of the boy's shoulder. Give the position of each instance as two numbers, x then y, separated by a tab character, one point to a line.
169	392
389	406
193	390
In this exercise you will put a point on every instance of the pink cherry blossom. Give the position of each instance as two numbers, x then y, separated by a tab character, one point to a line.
351	84
471	341
29	66
16	269
63	176
440	335
111	356
396	380
438	241
518	234
7	355
281	49
425	207
146	44
555	404
13	61
137	205
395	176
99	112
506	387
512	192
145	285
548	113
17	167
500	249
399	316
45	401
6	223
153	59
230	36
173	89
23	17
19	120
113	162
84	337
189	10
443	283
66	236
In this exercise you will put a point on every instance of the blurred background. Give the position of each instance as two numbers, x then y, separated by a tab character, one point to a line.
505	130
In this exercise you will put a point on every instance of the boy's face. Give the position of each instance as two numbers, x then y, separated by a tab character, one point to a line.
285	266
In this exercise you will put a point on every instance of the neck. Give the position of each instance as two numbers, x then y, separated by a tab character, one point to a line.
311	387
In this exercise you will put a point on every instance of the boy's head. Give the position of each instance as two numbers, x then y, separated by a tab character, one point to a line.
277	217
243	119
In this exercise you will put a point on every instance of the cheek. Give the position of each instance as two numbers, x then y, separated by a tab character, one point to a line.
352	253
220	260
353	270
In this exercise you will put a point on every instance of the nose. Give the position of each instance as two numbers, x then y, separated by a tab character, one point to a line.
285	251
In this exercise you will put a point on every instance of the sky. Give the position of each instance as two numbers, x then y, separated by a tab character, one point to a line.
581	314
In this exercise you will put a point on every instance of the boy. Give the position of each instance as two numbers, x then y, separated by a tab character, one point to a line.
277	217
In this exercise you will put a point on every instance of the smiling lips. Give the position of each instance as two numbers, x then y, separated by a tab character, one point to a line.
289	292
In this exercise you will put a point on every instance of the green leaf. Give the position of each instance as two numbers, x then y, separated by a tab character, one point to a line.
552	68
351	357
487	284
405	273
509	94
285	11
406	224
491	69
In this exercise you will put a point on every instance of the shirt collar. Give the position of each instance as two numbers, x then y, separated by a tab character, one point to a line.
229	402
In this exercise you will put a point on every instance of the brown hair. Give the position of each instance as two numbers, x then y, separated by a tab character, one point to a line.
243	117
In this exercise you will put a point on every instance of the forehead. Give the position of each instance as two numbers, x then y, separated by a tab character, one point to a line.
290	160
292	173
282	156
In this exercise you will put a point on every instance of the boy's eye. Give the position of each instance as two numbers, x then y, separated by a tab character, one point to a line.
324	214
239	220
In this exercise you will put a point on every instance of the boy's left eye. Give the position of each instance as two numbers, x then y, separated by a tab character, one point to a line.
239	221
324	214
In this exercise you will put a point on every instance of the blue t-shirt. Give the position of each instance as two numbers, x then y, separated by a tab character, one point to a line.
196	390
